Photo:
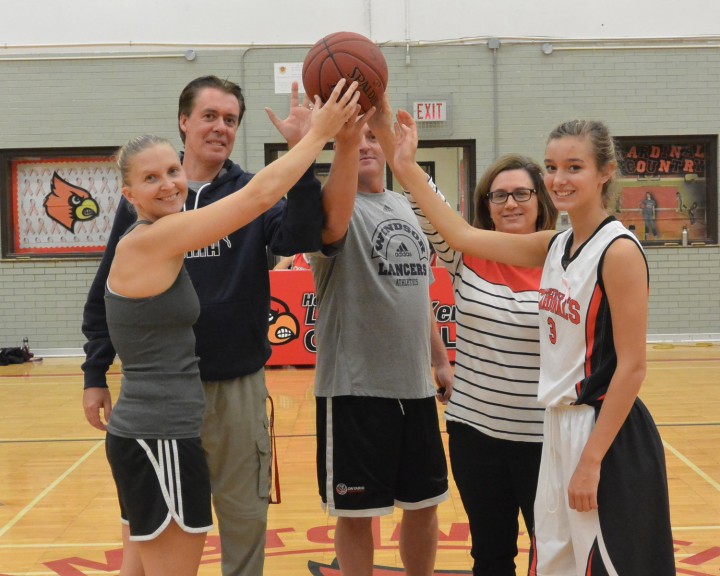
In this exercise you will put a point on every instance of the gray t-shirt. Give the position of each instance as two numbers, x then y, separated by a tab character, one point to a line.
373	327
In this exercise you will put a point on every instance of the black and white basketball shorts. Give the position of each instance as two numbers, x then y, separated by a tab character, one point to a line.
159	481
377	453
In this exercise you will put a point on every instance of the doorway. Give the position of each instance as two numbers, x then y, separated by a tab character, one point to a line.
451	164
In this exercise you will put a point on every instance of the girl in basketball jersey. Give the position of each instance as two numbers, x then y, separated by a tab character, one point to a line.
153	434
602	501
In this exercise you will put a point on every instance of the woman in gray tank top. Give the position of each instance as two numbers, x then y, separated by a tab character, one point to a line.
153	440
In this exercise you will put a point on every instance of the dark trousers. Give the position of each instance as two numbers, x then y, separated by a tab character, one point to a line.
496	479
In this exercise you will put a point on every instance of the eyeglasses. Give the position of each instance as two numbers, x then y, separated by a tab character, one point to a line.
519	195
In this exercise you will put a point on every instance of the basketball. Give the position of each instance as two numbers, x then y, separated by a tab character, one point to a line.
345	55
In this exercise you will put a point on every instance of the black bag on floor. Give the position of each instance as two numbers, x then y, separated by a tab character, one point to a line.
15	355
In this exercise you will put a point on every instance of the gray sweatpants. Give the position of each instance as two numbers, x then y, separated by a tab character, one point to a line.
236	440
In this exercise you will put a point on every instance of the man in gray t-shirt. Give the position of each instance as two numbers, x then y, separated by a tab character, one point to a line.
379	441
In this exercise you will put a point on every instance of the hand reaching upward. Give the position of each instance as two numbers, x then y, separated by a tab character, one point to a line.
297	123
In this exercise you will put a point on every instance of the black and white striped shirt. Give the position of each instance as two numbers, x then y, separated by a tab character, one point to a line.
497	363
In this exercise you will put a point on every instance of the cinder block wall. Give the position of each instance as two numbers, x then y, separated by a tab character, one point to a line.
517	88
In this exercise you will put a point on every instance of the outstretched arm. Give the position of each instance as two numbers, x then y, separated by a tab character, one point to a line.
176	234
297	123
341	186
449	258
382	126
295	225
528	250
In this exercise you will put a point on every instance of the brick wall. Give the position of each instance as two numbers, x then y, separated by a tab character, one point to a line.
104	102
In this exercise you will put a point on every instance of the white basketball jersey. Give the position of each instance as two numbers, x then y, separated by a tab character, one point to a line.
577	352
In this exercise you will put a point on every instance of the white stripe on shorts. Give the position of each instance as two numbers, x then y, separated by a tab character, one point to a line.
167	469
329	480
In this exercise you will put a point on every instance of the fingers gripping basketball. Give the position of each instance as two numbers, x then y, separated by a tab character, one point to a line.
346	55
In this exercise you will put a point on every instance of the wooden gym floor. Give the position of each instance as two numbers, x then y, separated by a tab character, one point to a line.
59	514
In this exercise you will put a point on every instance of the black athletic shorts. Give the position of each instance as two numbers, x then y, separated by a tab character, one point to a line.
377	453
159	481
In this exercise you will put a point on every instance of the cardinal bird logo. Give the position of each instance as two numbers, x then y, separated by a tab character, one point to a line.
68	204
283	326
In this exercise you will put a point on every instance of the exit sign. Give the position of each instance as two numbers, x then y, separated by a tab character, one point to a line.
432	111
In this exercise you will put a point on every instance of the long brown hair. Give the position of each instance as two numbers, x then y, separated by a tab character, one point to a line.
603	147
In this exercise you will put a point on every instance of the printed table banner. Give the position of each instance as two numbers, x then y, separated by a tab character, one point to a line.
293	313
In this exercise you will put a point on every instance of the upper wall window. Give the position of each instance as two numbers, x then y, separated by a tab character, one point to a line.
668	183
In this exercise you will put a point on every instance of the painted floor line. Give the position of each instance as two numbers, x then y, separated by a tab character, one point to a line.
20	515
41	440
692	466
107	545
687	424
53	573
111	545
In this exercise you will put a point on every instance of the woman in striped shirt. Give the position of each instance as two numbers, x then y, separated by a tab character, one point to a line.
494	420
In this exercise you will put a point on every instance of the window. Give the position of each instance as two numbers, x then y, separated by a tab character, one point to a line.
668	183
451	163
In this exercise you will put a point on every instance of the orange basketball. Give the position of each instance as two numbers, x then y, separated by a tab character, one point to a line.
346	55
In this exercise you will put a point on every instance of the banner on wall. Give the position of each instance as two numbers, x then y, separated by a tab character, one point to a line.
293	313
62	201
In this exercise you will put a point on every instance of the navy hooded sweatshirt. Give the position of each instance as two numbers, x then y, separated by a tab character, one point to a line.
230	277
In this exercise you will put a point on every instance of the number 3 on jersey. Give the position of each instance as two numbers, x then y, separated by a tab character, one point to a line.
553	331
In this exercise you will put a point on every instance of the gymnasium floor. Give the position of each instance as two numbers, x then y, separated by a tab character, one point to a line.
59	514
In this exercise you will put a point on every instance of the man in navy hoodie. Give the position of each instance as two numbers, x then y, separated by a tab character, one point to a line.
232	282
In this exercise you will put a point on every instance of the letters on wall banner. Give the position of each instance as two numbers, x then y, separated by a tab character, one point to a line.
293	313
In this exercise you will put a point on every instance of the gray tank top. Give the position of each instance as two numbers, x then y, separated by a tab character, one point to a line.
161	394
